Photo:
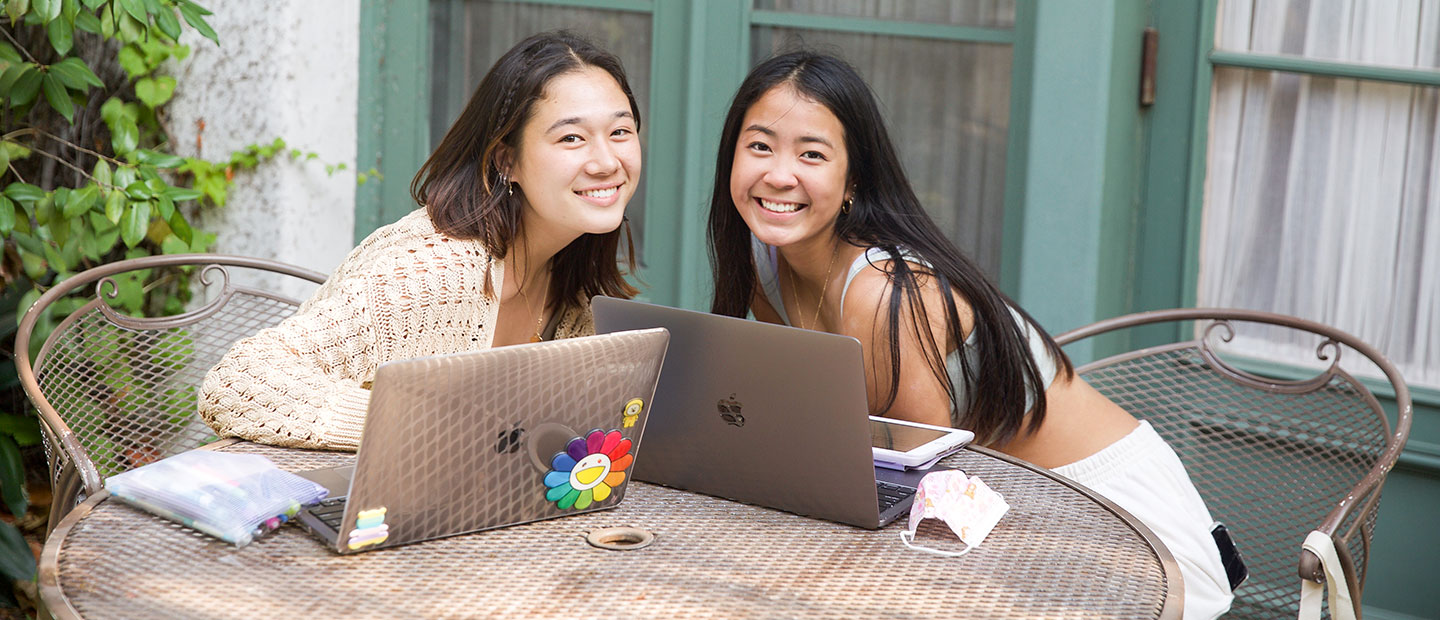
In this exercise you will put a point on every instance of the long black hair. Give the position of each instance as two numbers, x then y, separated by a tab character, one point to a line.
463	186
885	213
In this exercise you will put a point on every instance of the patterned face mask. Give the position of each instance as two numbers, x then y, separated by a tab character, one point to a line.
964	503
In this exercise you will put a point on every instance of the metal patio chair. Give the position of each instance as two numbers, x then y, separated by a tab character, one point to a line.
1274	459
115	392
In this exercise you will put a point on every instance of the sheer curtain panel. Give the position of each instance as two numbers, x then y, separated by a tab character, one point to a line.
1322	196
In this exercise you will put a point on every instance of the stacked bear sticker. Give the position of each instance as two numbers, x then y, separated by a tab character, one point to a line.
370	529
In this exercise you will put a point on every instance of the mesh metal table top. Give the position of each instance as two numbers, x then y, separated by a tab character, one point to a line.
1058	553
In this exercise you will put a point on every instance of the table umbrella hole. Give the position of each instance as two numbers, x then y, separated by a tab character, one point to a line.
620	538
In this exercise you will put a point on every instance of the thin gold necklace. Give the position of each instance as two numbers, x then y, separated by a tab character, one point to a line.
539	316
795	291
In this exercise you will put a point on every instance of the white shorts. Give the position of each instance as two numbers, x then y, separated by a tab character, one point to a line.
1142	474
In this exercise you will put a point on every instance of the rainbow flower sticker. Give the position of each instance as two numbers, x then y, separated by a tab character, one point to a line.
588	469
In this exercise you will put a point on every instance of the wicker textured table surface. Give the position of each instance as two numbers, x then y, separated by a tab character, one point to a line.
1058	553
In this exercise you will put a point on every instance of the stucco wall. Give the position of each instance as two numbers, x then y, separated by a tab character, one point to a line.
288	70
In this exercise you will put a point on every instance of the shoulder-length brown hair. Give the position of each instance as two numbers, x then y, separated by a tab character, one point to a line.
462	185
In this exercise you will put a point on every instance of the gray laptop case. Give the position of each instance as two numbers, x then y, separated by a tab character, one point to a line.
759	413
472	441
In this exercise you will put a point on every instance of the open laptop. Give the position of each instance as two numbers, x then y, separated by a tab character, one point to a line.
764	414
472	441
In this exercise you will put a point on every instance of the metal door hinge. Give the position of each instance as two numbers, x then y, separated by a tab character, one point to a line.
1149	48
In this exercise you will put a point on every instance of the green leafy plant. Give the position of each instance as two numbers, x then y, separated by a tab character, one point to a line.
88	175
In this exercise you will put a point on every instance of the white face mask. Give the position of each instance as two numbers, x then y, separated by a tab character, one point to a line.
966	504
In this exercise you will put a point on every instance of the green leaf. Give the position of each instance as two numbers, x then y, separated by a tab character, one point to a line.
164	206
131	30
70	9
154	92
111	111
80	201
88	22
181	228
26	86
34	264
132	61
114	206
193	15
7	79
124	176
105	239
159	160
7	216
93	4
17	563
24	428
107	22
12	482
52	255
174	245
28	243
45	210
16	8
8	53
182	194
75	74
98	221
168	23
46	10
89	246
62	36
135	223
139	191
24	192
59	98
102	175
124	136
193	6
135	8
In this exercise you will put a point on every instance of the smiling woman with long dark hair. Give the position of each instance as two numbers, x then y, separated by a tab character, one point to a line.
813	223
522	206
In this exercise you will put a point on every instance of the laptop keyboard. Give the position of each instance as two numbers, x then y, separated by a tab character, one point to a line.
330	510
891	494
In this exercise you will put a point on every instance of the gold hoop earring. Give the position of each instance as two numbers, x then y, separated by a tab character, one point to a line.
845	206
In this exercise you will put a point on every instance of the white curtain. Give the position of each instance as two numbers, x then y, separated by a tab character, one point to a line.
1322	196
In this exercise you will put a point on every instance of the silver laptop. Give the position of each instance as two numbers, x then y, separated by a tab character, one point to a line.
472	441
764	414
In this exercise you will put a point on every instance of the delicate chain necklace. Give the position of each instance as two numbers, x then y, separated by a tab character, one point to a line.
795	292
539	316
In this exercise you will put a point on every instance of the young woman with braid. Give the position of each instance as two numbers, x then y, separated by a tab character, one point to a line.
814	224
519	225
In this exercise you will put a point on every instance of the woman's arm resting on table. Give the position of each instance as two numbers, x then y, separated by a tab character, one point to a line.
298	384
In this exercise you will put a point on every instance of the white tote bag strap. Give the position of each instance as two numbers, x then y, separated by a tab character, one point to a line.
1341	607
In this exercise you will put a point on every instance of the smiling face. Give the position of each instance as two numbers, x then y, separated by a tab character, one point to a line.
789	174
579	158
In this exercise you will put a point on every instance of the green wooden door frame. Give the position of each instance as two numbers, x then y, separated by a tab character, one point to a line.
1081	197
394	109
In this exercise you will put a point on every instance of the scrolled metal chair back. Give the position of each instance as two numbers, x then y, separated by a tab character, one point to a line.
114	391
1273	458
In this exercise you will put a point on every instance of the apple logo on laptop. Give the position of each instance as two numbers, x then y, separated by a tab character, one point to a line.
508	441
730	411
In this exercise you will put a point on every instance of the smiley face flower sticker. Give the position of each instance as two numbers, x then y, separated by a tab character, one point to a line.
588	470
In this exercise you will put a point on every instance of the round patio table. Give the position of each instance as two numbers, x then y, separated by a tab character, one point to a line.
1060	552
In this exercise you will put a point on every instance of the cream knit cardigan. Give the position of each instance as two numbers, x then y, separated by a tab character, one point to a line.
407	291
